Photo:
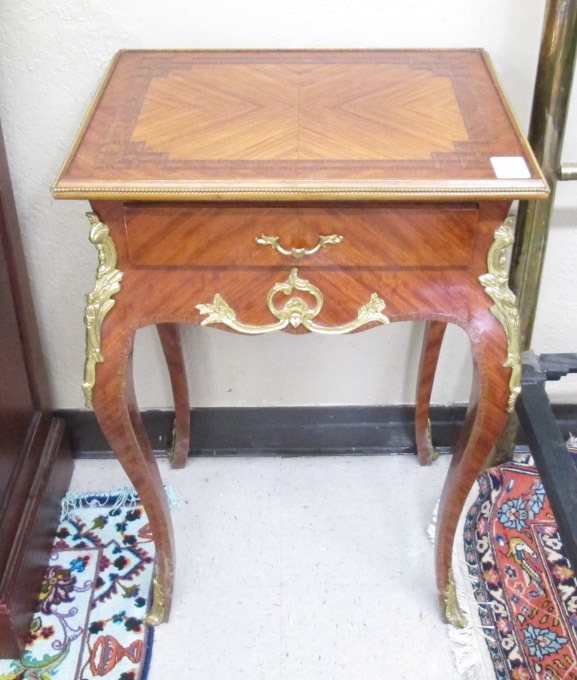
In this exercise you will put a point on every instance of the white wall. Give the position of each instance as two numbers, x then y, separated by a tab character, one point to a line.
53	55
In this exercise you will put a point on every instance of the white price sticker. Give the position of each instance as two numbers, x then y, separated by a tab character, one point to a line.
510	167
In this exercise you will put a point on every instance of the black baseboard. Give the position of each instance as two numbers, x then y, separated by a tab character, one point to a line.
293	431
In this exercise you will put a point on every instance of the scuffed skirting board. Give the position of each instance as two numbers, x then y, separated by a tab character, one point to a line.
293	431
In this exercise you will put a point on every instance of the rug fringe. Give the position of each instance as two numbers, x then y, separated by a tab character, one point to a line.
124	497
467	660
466	641
432	528
469	642
173	497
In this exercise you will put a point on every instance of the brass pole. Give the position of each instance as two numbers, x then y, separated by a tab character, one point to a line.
548	117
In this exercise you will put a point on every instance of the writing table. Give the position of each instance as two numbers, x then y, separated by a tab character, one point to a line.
303	191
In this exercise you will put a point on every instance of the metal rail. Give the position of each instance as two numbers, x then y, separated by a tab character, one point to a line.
551	95
556	467
548	118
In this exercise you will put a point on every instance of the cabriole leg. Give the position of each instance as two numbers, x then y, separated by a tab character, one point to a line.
484	421
432	341
117	413
171	346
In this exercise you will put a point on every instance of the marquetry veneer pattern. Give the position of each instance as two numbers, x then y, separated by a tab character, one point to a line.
305	116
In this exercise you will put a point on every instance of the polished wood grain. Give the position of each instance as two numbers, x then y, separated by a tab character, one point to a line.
432	341
191	157
213	235
270	112
118	415
169	335
198	124
409	292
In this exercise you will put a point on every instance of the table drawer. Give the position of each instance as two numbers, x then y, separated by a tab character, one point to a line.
277	235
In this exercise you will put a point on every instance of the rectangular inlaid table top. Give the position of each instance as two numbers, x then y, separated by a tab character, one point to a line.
386	125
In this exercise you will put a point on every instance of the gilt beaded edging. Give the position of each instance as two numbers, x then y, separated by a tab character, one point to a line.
503	192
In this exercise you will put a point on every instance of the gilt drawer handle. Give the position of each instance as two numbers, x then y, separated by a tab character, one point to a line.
295	311
273	242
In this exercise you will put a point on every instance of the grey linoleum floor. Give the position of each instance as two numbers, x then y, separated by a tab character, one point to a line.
315	568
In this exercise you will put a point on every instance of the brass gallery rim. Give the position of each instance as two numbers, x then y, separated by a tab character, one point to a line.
271	191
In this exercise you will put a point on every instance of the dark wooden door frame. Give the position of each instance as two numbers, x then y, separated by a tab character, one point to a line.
35	458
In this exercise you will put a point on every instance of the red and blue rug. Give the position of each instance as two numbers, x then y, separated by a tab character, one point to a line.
88	622
518	589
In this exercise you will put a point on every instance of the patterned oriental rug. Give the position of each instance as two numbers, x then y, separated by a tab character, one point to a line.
88	622
514	582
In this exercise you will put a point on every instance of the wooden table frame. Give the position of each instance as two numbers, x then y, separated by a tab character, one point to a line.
304	226
494	344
